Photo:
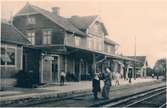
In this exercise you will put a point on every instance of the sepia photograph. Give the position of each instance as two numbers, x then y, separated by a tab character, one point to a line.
83	53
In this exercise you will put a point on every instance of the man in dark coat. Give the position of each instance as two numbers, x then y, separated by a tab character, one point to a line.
96	86
107	83
130	75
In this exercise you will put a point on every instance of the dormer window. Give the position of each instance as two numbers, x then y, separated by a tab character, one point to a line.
47	34
31	20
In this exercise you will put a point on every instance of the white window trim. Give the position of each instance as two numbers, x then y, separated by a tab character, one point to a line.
79	41
108	49
46	30
33	43
90	42
101	45
97	44
15	48
30	21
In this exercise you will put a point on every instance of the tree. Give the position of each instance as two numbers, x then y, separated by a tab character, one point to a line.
160	67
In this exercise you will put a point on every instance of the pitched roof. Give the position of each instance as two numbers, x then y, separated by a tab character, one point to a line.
82	22
109	41
62	22
10	34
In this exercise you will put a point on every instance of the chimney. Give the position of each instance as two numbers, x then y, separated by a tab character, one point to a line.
56	10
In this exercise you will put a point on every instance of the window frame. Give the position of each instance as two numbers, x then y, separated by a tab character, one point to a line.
90	43
108	49
15	51
46	36
77	41
98	44
31	20
32	40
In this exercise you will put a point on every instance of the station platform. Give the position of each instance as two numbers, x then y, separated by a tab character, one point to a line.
57	91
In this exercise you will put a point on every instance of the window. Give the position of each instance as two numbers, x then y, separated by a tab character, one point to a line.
77	41
3	56
11	54
31	37
7	56
112	49
101	45
108	48
97	44
31	20
90	43
47	34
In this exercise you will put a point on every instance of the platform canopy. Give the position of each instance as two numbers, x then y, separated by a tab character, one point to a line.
118	57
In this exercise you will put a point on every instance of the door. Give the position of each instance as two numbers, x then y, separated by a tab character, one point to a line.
55	69
83	70
77	71
46	68
25	62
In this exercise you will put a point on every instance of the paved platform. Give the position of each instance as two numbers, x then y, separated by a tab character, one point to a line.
69	88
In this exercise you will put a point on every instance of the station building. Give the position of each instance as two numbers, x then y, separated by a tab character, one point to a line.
79	45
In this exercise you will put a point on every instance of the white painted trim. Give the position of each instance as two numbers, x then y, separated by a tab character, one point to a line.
15	48
58	68
21	63
58	57
41	75
43	36
16	56
51	80
65	65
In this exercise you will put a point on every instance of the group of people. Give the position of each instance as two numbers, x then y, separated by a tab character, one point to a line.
107	77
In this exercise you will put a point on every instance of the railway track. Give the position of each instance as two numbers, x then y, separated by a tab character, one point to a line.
86	98
84	94
136	99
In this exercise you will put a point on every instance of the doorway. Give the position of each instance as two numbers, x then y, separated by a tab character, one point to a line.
55	74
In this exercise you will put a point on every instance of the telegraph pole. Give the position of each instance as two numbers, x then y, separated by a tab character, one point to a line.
135	58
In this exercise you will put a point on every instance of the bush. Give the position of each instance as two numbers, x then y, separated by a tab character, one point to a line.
25	79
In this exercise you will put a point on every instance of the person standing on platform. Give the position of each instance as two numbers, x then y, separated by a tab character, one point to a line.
117	77
62	78
107	83
96	85
130	76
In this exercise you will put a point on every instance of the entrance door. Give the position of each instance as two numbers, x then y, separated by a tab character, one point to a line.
55	69
47	72
25	62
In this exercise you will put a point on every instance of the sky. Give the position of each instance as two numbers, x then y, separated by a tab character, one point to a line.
125	20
